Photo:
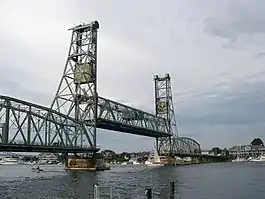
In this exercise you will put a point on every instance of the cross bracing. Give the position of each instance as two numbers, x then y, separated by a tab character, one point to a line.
25	126
119	117
69	125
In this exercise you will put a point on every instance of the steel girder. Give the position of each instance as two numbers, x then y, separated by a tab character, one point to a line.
76	96
165	108
185	145
26	126
77	110
181	145
119	117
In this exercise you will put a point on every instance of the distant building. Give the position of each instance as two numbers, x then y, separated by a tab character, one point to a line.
247	151
5	154
47	157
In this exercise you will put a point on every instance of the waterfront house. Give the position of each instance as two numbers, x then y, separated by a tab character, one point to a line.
247	151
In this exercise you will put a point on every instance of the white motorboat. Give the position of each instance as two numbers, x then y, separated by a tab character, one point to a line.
135	162
239	160
258	159
8	161
147	162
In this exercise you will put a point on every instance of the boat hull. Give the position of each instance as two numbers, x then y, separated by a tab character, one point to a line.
8	163
254	160
155	165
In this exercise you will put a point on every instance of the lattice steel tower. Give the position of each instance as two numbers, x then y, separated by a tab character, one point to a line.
164	108
76	96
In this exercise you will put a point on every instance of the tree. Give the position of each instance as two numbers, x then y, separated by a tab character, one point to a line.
257	142
216	151
108	155
225	152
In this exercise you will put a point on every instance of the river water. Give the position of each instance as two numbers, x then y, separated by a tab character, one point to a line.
205	181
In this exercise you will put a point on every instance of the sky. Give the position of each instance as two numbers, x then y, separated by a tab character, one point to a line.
214	52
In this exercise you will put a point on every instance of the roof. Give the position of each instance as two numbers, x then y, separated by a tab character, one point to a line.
247	148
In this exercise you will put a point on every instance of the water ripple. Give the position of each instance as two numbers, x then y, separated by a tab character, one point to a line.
210	181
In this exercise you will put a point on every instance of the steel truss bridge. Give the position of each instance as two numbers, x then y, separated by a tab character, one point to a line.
69	124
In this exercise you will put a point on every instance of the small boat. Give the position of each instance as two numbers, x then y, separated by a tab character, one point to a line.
37	169
124	163
258	159
239	160
8	161
103	167
135	162
240	156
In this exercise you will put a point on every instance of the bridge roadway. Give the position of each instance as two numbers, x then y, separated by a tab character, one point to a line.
28	127
119	117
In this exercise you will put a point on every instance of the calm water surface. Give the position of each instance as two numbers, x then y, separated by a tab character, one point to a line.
206	181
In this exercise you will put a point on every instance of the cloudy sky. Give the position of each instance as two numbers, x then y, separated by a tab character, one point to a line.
214	51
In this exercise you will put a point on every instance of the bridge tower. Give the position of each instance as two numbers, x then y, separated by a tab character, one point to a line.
164	108
76	96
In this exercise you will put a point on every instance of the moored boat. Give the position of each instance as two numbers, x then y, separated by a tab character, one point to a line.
9	161
258	159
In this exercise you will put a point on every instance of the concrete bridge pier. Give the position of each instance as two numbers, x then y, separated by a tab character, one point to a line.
75	162
168	159
85	162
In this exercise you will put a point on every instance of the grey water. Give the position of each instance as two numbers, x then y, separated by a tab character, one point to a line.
205	181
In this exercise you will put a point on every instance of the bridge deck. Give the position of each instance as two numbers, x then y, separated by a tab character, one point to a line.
25	126
40	148
119	117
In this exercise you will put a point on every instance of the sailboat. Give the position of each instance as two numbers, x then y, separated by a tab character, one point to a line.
156	161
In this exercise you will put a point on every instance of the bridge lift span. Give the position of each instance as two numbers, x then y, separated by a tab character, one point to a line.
70	123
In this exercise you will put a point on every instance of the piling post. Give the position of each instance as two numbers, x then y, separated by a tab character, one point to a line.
148	193
96	192
171	189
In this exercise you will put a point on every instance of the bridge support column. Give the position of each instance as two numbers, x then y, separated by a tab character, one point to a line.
5	128
167	159
79	163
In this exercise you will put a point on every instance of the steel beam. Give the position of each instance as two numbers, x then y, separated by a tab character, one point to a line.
76	95
28	124
165	108
48	149
76	111
119	117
